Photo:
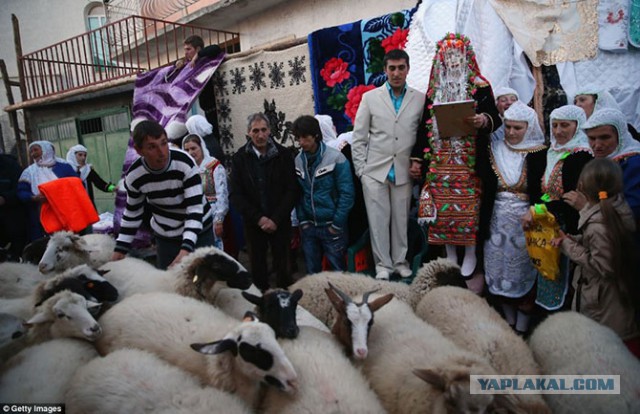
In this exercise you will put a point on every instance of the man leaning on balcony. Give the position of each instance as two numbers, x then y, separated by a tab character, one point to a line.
194	48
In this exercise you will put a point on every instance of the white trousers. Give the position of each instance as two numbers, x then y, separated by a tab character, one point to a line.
388	213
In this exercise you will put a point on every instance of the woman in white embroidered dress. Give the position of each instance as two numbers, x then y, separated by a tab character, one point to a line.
214	182
517	162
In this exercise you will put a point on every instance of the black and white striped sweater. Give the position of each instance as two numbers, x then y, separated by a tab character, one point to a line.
175	197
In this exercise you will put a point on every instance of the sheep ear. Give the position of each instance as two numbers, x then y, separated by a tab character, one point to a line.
431	377
250	317
296	295
79	243
217	347
336	301
256	300
40	317
380	302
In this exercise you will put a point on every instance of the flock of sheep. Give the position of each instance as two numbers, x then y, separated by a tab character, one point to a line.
106	337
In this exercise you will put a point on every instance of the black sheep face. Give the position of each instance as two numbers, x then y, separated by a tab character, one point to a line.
219	266
277	308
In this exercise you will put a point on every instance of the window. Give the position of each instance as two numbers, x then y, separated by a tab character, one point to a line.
96	19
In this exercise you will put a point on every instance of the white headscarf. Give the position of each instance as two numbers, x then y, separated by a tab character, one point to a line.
206	156
73	161
578	142
603	99
198	125
41	170
175	130
327	128
509	158
503	90
626	144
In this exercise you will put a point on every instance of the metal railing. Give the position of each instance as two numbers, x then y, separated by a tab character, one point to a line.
114	51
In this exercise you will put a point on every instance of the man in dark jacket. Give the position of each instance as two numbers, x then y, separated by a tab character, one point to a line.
263	189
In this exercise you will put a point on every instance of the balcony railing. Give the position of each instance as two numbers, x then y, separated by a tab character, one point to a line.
118	50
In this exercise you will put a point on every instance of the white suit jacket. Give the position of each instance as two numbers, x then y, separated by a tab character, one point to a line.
382	138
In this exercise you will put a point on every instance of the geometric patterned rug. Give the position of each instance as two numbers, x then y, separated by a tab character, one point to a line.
277	83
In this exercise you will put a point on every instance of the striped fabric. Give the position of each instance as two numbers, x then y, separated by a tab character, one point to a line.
175	197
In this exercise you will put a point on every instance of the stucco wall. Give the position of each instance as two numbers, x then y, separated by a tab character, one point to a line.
42	23
298	18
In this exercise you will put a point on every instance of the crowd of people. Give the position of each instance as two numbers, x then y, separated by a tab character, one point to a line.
476	198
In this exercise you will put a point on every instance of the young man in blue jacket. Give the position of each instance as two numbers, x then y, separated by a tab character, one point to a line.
327	197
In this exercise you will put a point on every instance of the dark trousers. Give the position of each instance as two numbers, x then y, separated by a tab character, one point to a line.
168	249
259	243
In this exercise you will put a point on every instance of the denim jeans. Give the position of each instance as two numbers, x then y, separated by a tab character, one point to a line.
318	241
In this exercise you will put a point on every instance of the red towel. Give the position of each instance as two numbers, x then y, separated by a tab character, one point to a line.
67	206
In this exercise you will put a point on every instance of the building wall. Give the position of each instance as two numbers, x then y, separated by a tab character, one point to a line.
42	23
297	18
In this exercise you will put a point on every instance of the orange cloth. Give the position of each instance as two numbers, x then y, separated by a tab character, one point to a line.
67	206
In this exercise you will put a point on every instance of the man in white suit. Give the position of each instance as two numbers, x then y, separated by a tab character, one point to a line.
384	134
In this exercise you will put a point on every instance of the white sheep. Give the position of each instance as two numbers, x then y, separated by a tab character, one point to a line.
469	321
436	272
168	324
66	249
136	381
569	343
18	279
131	275
64	315
200	275
12	335
414	368
41	374
81	279
328	382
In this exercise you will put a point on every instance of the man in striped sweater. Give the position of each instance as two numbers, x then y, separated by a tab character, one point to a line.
169	183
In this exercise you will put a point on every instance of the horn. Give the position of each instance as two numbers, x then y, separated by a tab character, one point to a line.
365	297
345	298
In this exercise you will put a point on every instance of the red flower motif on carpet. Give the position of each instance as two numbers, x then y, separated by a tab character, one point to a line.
397	40
354	97
335	71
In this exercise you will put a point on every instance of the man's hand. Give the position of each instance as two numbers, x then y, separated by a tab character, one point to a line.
218	229
181	254
415	171
117	256
38	198
267	225
575	199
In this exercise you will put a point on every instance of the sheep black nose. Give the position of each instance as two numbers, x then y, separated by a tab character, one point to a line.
95	328
291	332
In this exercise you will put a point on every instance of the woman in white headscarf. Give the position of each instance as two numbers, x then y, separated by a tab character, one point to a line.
214	182
198	125
505	97
77	158
327	128
46	167
608	137
568	153
510	188
592	100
